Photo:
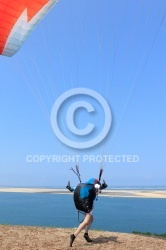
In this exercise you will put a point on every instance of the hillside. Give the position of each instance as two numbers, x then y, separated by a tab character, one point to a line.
38	238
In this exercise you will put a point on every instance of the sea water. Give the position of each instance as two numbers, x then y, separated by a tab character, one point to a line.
112	214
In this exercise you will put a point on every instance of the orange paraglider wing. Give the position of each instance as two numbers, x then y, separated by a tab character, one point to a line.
17	19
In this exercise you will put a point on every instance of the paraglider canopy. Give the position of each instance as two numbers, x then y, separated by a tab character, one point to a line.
17	19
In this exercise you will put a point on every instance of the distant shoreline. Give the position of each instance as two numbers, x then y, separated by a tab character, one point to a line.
123	193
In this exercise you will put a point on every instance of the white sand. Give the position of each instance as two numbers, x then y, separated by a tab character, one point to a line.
110	193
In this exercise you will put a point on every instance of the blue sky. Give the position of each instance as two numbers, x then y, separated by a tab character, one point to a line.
116	48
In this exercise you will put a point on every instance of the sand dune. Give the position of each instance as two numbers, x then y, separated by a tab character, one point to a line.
111	193
37	238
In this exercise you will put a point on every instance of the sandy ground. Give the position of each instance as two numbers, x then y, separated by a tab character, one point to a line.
111	193
37	238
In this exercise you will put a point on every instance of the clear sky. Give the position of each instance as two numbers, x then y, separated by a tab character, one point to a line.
116	48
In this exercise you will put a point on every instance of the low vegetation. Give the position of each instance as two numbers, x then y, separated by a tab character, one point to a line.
150	234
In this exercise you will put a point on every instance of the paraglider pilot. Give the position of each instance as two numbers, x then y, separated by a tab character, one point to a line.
84	196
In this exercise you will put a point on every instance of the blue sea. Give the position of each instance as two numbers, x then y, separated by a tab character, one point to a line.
112	214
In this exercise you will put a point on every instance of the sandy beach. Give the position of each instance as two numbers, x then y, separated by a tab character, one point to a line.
109	193
37	238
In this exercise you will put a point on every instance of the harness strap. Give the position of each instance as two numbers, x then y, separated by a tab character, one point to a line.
79	216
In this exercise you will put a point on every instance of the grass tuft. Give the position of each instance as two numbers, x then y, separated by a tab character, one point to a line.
150	234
